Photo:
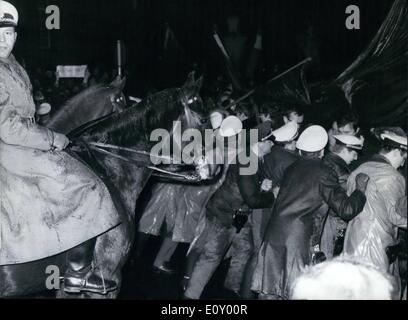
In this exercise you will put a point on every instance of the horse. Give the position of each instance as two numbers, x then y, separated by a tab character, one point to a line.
88	105
125	180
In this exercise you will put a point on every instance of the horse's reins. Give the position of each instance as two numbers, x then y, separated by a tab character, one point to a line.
99	147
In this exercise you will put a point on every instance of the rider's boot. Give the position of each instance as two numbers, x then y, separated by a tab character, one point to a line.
80	275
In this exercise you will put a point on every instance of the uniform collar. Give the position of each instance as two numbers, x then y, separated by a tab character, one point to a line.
381	159
338	160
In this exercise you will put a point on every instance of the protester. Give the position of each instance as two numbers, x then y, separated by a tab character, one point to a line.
370	234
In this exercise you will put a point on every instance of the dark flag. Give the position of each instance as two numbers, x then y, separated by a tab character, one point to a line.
376	84
288	88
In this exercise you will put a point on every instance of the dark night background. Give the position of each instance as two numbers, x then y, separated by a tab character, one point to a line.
89	29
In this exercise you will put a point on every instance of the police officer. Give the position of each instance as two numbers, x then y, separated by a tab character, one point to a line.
282	155
51	202
225	226
344	151
292	239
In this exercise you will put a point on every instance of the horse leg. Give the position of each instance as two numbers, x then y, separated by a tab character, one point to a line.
111	252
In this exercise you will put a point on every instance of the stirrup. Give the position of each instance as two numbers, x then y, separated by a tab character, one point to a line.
78	284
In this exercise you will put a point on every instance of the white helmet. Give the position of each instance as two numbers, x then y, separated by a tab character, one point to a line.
287	132
313	139
349	141
43	109
8	14
231	126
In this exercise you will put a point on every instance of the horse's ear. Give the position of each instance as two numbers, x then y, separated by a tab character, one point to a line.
119	83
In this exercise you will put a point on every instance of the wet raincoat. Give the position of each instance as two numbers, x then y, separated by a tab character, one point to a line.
370	233
50	202
178	207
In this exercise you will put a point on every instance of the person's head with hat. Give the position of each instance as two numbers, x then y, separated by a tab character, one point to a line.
286	135
346	125
8	24
230	128
347	147
312	142
394	146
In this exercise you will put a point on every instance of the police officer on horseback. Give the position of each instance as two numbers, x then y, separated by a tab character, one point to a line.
50	202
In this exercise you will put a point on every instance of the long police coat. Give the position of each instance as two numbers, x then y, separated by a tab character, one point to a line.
370	233
334	223
308	188
50	202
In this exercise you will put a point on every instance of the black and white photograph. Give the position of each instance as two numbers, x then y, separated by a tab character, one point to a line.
205	150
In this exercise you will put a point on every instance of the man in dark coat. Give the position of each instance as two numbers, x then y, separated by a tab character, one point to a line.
232	200
343	152
282	155
292	239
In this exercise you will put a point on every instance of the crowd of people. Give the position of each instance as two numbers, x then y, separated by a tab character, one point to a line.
306	203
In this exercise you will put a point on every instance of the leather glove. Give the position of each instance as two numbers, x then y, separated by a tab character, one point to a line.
60	141
362	181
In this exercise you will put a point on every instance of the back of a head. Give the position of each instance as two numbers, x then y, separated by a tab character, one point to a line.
343	278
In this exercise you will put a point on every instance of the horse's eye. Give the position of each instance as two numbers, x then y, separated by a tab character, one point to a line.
195	98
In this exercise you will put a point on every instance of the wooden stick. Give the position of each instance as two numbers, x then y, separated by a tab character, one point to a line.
249	93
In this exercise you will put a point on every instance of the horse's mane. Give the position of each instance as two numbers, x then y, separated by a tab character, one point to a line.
84	94
137	122
74	104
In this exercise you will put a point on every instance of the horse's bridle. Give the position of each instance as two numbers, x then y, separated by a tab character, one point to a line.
102	148
105	148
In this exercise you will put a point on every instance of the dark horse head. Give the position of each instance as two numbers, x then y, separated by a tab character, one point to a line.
90	104
159	110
